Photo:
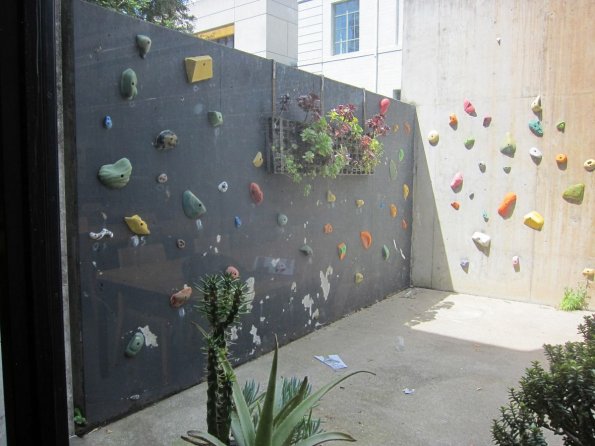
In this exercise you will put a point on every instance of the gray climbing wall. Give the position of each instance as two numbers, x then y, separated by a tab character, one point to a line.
121	285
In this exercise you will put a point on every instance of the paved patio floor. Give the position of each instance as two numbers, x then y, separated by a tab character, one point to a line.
460	353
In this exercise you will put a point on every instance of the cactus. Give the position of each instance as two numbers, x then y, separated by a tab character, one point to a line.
224	300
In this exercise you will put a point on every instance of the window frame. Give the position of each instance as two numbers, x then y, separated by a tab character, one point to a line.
349	41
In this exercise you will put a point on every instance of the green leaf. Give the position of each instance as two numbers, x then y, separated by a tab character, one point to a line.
264	431
292	403
287	426
323	437
199	438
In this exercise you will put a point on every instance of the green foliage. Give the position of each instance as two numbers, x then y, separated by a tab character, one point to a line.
78	418
169	13
574	298
224	300
276	422
561	399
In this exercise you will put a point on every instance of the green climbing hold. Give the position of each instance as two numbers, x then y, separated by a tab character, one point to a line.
509	147
193	207
215	118
535	127
575	193
144	44
507	169
135	345
469	142
306	250
401	154
385	252
282	219
128	84
117	175
561	126
392	169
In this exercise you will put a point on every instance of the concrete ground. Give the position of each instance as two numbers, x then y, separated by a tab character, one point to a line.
459	352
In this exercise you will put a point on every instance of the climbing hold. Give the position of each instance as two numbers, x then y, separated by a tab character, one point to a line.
589	165
575	193
385	252
107	122
561	126
237	221
481	239
117	175
282	219
162	178
359	278
404	224
392	169
166	140
535	127
469	108
178	299
199	226
471	195
453	121
469	143
137	225
384	105
457	182
103	233
401	154
433	137
589	273
128	84
407	127
359	203
395	128
342	247
215	118
330	197
561	159
393	210
258	160
534	220
456	205
509	147
405	191
232	271
507	205
482	167
464	264
536	105
366	238
180	243
198	68
193	207
135	344
485	215
256	193
327	228
516	261
223	186
507	169
306	250
536	154
487	120
144	45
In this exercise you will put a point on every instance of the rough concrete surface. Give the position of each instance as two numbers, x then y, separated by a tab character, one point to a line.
459	352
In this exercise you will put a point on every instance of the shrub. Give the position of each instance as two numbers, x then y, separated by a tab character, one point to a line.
574	299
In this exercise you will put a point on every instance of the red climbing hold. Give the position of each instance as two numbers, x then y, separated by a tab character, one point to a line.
468	106
384	105
366	238
256	193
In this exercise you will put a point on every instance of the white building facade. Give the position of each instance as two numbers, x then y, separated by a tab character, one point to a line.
358	42
267	28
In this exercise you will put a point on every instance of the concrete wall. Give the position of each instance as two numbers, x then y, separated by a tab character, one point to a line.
121	285
267	28
500	56
377	64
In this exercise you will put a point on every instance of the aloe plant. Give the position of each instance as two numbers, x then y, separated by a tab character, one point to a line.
273	427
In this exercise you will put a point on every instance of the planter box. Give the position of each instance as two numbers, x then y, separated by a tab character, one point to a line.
283	137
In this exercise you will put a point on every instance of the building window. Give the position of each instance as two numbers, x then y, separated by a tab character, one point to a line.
223	35
346	27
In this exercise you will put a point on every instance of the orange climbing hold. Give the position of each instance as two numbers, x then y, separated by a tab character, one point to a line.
366	239
393	210
328	228
507	205
256	193
561	159
342	247
404	224
456	205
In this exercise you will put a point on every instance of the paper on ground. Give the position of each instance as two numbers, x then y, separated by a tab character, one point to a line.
333	361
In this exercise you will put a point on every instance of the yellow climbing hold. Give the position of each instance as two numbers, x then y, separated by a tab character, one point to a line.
198	68
330	197
258	160
393	210
405	191
359	277
137	225
534	220
359	203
